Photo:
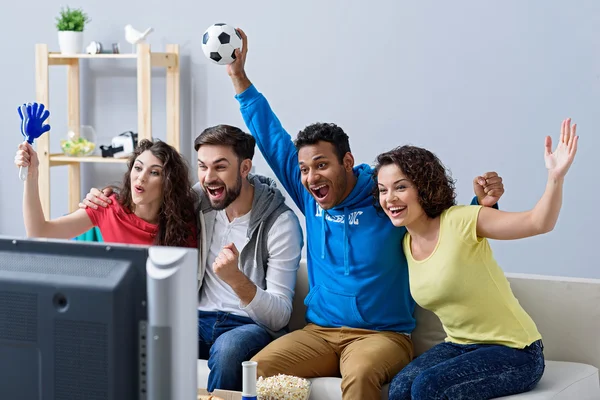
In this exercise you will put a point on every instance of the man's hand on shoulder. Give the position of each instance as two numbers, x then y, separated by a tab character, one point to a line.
96	198
488	188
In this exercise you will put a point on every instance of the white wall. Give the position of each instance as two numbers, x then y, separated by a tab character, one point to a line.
479	83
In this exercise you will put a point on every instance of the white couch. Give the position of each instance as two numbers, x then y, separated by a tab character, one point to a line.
566	311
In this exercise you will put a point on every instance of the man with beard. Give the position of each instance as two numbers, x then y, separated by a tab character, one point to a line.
250	247
248	224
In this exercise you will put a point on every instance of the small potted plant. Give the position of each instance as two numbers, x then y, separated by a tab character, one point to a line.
70	24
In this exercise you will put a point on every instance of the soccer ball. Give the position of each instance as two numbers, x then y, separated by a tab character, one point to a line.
219	43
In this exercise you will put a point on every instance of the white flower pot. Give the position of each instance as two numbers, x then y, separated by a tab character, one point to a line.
70	42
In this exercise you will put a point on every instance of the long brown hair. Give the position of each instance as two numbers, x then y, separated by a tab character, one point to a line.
177	212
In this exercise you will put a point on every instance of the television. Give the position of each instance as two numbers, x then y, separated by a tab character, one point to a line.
97	321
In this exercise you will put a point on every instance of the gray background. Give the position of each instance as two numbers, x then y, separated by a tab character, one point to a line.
479	83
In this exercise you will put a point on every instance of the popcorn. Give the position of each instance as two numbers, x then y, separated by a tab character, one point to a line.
208	397
282	387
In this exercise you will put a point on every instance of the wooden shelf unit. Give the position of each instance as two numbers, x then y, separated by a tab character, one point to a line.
145	61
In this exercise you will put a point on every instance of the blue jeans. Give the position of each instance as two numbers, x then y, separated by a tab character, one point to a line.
473	372
225	340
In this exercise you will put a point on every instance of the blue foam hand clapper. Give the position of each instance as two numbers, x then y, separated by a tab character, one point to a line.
32	116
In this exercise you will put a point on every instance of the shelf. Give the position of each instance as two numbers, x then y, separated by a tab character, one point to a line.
61	159
84	55
143	60
167	60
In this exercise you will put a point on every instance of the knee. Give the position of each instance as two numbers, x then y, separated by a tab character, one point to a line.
361	372
263	365
361	375
225	356
427	385
400	387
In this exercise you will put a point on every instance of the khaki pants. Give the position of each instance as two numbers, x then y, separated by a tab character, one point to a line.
365	359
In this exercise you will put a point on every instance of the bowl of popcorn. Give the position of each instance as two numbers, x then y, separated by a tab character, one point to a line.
282	387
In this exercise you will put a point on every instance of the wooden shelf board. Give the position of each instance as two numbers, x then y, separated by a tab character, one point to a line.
85	55
61	159
158	59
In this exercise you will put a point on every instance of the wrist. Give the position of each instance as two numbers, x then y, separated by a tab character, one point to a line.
240	282
554	179
240	81
239	74
33	173
234	279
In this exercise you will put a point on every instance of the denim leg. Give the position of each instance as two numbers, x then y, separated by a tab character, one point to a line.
482	372
206	332
229	350
400	387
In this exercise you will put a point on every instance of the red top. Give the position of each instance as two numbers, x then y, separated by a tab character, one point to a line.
119	226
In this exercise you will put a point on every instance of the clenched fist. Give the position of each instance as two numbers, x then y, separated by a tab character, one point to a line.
488	188
226	264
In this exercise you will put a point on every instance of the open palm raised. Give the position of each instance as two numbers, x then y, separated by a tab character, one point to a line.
559	161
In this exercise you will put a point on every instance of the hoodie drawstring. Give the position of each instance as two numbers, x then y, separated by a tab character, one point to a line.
346	265
346	242
323	235
260	226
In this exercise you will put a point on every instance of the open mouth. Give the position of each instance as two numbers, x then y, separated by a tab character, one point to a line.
320	192
215	191
138	189
396	211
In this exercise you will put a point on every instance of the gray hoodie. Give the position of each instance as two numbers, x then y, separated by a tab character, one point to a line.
268	204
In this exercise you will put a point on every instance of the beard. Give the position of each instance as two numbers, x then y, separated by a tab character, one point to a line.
231	194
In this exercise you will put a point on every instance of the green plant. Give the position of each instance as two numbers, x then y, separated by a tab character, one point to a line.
71	19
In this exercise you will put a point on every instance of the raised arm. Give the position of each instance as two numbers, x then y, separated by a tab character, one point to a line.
503	225
65	227
273	141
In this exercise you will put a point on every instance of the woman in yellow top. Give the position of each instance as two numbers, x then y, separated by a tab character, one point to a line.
493	347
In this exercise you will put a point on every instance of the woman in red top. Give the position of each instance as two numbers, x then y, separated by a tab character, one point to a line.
155	205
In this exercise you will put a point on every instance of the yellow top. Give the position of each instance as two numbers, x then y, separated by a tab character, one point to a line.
463	285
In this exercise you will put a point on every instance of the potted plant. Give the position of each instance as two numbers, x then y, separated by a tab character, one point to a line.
70	24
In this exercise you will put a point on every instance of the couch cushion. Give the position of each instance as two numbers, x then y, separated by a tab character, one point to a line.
428	332
561	381
329	388
551	301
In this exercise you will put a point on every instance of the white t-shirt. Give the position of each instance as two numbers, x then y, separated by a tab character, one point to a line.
271	307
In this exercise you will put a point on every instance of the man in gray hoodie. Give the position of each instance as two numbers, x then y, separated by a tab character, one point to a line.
249	244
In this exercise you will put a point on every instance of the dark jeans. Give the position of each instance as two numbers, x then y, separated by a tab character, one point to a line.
451	371
225	340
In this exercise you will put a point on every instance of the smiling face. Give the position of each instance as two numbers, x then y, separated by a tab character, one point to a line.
220	174
323	175
146	179
398	196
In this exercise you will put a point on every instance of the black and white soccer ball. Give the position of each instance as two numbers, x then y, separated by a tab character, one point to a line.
219	43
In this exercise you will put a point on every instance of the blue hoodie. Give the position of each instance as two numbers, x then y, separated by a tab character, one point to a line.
357	270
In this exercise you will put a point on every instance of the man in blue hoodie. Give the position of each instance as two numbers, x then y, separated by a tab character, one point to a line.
359	307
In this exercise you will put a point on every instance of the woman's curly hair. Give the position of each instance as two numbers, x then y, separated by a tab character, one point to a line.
435	187
177	212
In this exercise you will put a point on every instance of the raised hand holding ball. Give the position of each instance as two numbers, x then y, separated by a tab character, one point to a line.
219	43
